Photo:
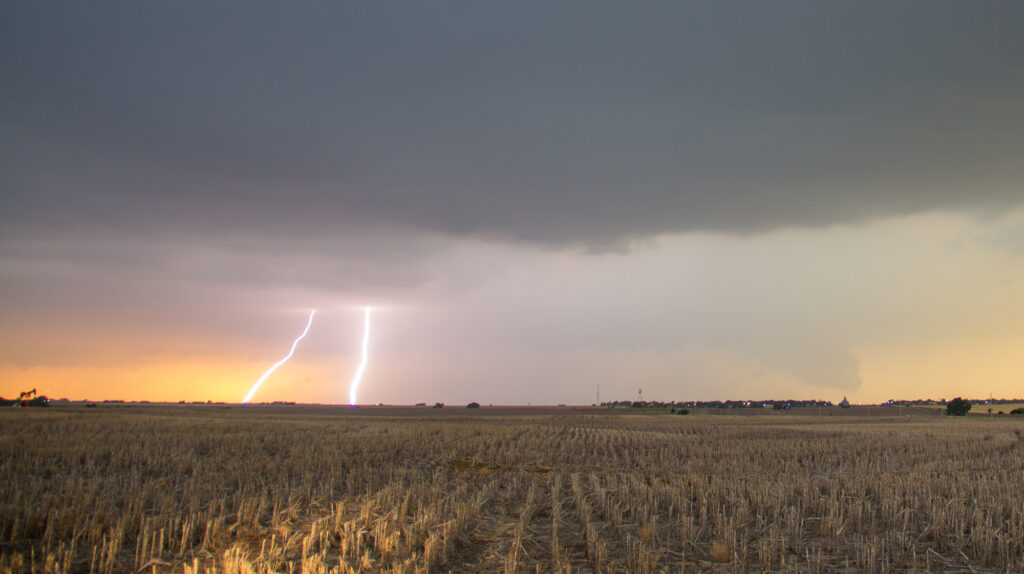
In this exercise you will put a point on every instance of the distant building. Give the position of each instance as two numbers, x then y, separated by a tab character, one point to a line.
844	404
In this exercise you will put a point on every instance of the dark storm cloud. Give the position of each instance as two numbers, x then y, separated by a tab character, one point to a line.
586	123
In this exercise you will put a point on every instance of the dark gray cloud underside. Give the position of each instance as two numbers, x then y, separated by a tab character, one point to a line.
550	122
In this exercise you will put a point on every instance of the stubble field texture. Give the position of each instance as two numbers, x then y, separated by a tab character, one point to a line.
306	489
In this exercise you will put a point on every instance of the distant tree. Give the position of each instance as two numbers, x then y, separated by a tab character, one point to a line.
438	405
1019	411
473	405
958	407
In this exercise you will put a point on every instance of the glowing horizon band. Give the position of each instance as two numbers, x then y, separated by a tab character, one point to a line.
362	363
279	363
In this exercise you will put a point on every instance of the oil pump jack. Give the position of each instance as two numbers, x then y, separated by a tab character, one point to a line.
30	399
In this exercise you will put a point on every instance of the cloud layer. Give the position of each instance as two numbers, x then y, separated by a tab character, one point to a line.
552	124
731	196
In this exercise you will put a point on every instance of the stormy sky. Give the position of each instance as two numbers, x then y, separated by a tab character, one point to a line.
706	201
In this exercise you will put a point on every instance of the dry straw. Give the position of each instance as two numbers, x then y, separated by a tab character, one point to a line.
205	490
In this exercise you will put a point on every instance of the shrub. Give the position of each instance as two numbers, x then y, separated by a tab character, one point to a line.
958	407
682	412
1019	411
438	405
473	405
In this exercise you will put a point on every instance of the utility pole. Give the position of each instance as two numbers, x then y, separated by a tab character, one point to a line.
640	396
598	396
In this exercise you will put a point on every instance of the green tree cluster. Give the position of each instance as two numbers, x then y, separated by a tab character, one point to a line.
958	407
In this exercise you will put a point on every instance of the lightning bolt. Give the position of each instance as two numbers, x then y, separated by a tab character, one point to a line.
279	363
362	363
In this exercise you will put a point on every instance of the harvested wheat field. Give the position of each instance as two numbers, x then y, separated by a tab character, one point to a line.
289	489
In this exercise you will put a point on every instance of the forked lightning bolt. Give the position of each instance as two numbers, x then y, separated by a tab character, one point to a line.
362	363
279	363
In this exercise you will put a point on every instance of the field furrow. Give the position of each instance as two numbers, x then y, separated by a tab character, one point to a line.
207	491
